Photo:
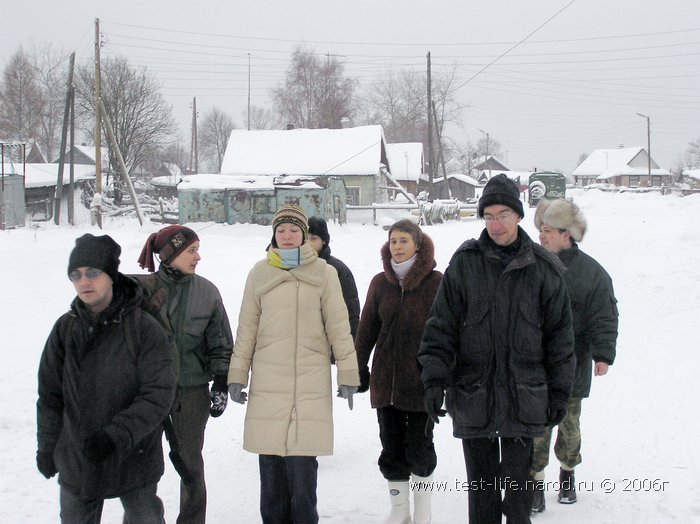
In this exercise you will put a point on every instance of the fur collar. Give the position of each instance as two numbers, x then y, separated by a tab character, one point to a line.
425	263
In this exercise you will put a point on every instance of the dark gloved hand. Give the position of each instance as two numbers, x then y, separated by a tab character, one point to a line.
364	380
347	392
237	394
99	446
45	464
434	397
556	412
218	395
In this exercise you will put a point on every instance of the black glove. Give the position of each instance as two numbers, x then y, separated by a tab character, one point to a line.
218	395
434	397
45	464
99	446
556	412
364	380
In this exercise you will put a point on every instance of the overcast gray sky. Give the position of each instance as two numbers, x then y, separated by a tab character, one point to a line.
548	79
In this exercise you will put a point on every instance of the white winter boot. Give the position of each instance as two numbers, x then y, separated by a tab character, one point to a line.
422	493
400	504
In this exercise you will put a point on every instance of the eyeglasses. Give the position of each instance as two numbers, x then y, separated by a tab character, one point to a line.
501	217
91	273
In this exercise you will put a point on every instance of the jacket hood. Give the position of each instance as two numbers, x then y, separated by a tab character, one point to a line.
424	264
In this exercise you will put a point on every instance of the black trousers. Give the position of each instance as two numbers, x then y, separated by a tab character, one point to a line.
190	415
407	444
288	489
494	465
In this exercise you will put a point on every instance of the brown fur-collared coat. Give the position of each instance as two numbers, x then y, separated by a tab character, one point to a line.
392	322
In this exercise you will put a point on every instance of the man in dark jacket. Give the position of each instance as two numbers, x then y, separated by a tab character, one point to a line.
499	339
107	381
320	240
594	307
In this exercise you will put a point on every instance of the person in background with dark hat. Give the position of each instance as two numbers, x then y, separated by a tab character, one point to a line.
320	239
562	225
292	310
499	339
191	310
397	306
107	379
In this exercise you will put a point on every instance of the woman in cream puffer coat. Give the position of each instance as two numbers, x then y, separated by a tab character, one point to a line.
292	312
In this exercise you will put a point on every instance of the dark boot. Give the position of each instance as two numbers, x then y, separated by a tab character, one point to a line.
538	505
567	487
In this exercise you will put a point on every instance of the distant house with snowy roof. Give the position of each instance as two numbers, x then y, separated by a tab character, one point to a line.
406	160
691	177
486	167
39	181
456	186
622	167
86	155
355	155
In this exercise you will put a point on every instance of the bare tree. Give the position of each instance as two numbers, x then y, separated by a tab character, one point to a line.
214	132
315	94
141	119
692	154
51	68
399	102
262	118
21	99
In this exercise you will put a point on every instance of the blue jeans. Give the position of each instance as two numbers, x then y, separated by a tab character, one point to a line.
288	489
141	506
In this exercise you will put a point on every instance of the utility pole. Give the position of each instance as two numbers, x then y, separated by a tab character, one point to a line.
486	157
430	134
248	91
194	164
98	126
648	148
61	158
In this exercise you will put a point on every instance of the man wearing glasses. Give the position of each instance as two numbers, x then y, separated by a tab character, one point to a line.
499	341
107	380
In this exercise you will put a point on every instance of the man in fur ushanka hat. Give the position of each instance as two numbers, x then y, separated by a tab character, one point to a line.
562	225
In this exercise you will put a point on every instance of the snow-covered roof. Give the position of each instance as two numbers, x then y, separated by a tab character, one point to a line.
46	175
461	177
609	163
351	151
214	181
692	173
406	160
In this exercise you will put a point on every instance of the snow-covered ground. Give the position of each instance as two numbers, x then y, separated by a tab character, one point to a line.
640	453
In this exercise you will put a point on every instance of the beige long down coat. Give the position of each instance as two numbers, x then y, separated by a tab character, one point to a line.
288	321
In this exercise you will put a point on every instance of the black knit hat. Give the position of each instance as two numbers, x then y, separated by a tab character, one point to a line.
319	227
501	190
99	252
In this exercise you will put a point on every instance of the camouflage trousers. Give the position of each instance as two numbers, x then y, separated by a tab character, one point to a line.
567	446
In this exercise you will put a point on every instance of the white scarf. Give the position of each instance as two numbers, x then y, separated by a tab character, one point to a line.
401	269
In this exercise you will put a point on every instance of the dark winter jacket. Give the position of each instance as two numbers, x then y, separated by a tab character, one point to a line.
192	311
500	340
89	380
392	322
594	309
347	284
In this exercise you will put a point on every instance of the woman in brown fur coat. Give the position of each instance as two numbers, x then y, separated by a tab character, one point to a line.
394	314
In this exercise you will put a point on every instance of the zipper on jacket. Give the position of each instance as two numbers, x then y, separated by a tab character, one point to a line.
393	364
293	414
